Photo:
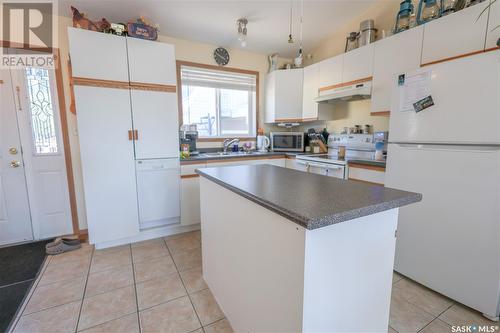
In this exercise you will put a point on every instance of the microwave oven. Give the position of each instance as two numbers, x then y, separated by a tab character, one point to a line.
287	141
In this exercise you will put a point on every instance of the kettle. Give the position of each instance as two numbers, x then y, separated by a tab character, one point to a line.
428	10
403	16
263	141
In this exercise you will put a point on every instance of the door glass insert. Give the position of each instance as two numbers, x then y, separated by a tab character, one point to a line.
41	110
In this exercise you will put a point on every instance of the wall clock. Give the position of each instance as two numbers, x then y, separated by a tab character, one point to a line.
221	56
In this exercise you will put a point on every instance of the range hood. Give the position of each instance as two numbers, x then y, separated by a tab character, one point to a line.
352	92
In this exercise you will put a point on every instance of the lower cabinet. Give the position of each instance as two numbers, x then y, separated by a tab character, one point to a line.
190	185
292	163
367	173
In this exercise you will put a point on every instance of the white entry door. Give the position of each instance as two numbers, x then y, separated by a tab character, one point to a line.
34	102
15	219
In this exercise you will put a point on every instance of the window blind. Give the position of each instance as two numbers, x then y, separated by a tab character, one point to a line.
202	77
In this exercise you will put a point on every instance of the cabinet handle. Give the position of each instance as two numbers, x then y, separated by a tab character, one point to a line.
130	135
136	135
18	92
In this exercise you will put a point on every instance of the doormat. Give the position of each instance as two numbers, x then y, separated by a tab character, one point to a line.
20	265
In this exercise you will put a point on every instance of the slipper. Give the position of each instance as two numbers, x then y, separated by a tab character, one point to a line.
62	247
67	240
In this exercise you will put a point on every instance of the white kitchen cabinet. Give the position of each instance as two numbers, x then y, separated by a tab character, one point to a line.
493	31
98	56
367	173
155	120
330	71
144	57
389	62
108	166
454	35
310	92
284	96
292	163
190	194
358	64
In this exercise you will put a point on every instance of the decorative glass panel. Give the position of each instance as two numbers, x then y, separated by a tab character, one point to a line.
42	111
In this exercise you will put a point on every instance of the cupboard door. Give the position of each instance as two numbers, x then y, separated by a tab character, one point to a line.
156	121
151	62
358	64
107	154
96	55
454	35
284	96
330	71
310	92
389	62
190	201
493	33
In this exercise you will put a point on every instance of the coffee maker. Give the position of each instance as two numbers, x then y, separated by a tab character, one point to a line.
188	134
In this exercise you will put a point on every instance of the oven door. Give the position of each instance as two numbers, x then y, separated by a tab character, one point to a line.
325	169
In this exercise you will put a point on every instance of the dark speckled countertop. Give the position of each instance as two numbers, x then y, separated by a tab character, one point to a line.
310	200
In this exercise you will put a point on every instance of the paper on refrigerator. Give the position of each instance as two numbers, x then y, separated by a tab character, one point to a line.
413	88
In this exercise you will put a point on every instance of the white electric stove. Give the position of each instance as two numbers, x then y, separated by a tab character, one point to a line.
358	147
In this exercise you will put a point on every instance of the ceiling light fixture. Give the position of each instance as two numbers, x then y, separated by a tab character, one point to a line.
242	31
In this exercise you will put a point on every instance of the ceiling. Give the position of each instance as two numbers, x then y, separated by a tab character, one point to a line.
214	22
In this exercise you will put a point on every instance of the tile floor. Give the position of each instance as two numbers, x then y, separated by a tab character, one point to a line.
157	286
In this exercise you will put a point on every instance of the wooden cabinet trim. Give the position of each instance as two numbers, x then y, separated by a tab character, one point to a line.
345	84
82	81
192	175
381	113
289	120
452	58
367	167
153	87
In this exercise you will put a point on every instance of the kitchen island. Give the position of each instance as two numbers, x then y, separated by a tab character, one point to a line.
285	250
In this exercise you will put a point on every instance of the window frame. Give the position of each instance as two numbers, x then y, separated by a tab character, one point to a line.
180	63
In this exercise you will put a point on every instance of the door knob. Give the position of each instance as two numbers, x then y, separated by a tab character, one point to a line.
15	164
13	151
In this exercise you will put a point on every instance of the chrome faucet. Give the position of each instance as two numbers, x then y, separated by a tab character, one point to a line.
227	143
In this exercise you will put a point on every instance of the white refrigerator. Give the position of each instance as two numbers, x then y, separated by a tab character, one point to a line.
450	152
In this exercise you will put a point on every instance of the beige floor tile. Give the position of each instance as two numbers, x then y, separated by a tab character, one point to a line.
189	259
54	294
153	268
437	326
149	251
183	242
127	324
115	249
222	326
61	318
406	317
147	242
61	272
391	330
396	277
109	279
110	260
82	255
107	306
193	280
424	298
206	307
175	316
157	291
461	315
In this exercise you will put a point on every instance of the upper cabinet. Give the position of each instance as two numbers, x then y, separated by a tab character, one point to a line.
389	62
101	55
148	71
492	34
454	35
284	96
330	72
358	64
310	92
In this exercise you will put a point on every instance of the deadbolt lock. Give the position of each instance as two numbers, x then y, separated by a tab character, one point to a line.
13	151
